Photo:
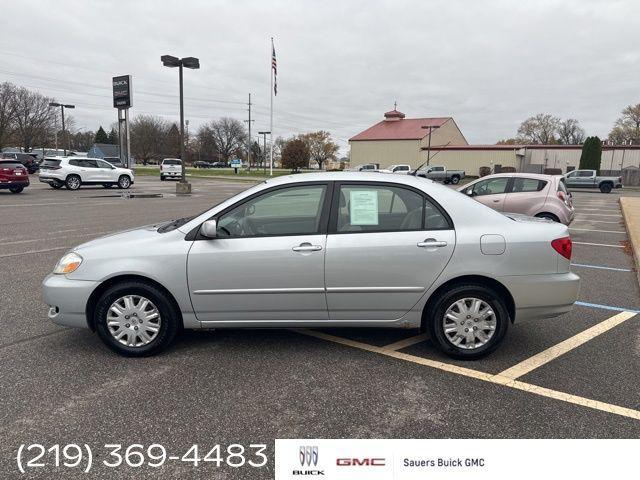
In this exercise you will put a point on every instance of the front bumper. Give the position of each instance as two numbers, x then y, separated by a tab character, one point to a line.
542	296
67	299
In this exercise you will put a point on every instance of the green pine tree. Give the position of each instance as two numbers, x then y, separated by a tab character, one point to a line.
591	154
101	136
113	137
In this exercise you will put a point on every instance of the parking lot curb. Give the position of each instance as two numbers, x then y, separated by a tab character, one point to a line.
630	207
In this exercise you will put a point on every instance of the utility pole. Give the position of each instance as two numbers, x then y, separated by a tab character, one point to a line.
249	137
430	128
65	136
264	149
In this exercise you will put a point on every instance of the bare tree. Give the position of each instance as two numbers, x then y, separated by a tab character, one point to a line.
539	129
627	127
321	147
147	137
34	119
229	136
569	132
7	108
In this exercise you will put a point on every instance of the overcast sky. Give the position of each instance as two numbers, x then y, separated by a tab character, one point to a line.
341	64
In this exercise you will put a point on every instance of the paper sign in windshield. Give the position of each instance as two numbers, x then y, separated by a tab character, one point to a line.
363	206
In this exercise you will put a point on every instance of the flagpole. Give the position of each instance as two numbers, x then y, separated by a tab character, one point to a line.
271	113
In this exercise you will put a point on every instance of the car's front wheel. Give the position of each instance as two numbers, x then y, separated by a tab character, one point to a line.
16	189
136	319
468	321
124	182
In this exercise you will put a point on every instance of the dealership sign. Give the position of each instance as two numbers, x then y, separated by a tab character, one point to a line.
122	91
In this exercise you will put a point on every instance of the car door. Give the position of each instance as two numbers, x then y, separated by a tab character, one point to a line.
526	196
491	192
106	172
267	262
386	246
88	169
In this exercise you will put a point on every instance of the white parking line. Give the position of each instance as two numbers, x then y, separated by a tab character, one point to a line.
595	221
599	267
29	252
561	348
407	342
598	244
475	374
601	231
597	215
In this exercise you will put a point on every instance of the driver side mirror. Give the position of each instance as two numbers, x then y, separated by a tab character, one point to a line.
469	191
209	229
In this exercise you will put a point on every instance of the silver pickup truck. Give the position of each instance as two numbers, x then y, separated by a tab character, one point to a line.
589	179
439	173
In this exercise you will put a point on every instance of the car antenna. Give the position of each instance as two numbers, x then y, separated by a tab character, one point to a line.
415	172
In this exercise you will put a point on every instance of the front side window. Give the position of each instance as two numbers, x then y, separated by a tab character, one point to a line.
103	164
381	208
490	186
528	185
286	211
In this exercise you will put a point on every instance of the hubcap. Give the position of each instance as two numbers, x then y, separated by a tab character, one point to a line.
469	323
73	182
124	182
133	320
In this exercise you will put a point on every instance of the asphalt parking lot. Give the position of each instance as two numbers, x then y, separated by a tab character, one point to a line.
575	376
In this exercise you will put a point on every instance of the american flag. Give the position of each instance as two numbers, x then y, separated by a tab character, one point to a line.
274	65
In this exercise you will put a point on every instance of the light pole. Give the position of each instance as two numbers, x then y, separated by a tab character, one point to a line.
189	62
62	107
264	149
430	128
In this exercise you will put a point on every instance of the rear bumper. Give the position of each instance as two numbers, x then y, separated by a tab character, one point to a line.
14	184
67	300
542	296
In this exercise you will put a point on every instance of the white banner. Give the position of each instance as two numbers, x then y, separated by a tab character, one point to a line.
455	459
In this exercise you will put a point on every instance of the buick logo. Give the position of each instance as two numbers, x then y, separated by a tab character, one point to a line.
308	456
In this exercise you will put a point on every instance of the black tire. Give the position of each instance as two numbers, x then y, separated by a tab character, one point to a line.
16	189
606	188
73	182
455	180
107	185
162	179
549	216
124	182
170	323
438	307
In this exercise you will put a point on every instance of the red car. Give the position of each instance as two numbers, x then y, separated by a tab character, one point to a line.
13	175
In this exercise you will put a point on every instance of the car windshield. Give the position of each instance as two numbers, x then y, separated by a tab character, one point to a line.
12	163
171	162
51	163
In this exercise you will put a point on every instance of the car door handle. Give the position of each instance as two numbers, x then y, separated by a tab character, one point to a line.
431	242
307	247
496	201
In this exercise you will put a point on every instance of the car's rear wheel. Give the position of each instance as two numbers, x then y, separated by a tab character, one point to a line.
455	180
16	189
73	182
549	216
162	179
606	188
136	319
124	182
467	321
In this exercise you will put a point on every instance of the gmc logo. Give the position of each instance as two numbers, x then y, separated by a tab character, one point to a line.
360	462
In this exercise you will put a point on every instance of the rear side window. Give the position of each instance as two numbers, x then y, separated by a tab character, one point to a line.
381	208
585	173
528	185
51	163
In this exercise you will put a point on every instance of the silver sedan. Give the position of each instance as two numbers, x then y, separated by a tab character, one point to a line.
321	250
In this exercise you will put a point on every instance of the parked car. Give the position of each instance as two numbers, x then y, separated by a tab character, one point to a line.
339	249
29	161
439	173
13	176
535	195
115	161
590	179
396	169
73	172
201	164
219	165
369	167
170	168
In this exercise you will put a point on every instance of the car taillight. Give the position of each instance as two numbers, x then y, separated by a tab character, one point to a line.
563	246
561	196
620	179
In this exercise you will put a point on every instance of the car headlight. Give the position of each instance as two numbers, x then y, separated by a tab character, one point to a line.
67	264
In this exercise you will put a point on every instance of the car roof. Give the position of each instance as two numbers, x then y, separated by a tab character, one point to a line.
537	176
350	176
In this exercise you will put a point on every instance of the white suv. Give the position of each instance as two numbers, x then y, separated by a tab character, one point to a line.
170	168
73	172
